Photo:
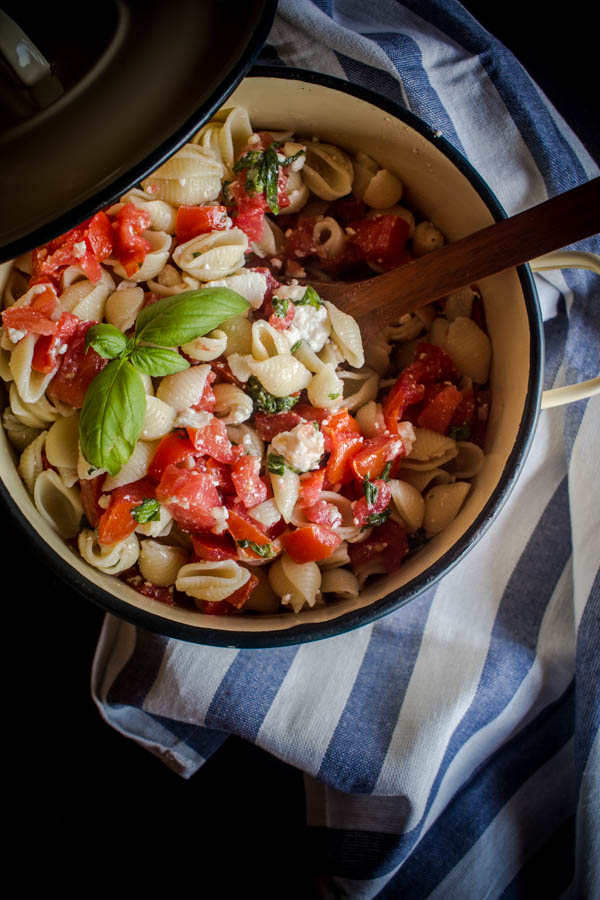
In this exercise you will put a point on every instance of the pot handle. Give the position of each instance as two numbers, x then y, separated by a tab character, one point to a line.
568	259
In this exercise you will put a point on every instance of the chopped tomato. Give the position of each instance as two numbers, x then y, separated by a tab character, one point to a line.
212	440
219	472
338	425
310	543
248	485
377	452
242	528
84	246
269	425
272	283
381	240
239	597
464	412
208	400
173	448
23	318
282	322
438	413
217	608
214	547
387	544
301	242
343	448
47	347
190	496
431	364
347	209
77	369
311	485
194	220
362	509
91	491
323	513
130	248
405	392
157	592
224	373
116	522
311	413
250	218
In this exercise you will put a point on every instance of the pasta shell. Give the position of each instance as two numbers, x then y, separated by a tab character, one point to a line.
123	306
58	504
408	505
160	563
31	463
135	467
327	170
346	334
62	443
212	581
442	503
232	406
183	389
340	582
214	255
110	560
208	347
188	178
326	390
158	419
282	375
470	349
296	584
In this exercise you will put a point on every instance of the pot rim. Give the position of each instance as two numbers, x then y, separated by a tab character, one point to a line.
309	632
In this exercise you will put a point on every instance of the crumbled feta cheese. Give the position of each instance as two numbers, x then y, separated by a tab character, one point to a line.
15	335
79	249
302	447
311	325
407	434
220	514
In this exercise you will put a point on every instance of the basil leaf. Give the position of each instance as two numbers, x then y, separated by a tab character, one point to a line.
280	306
385	475
378	518
264	550
296	346
370	491
276	464
265	401
333	396
106	340
251	158
290	159
271	178
309	298
147	511
174	321
112	416
158	361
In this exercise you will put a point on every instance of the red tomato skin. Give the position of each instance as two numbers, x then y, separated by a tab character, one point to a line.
311	485
116	522
46	348
268	425
135	580
214	547
438	413
310	543
189	496
212	440
218	608
347	209
238	598
23	318
381	240
343	448
282	322
387	543
173	448
77	369
372	458
323	513
361	509
130	248
245	475
194	220
207	401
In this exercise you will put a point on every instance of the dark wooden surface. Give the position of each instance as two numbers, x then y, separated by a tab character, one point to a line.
82	795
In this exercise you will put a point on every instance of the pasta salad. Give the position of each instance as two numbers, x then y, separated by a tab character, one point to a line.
194	419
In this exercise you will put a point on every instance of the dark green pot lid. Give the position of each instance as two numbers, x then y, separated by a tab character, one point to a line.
125	87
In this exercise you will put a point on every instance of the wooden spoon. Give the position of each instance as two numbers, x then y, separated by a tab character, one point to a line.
378	301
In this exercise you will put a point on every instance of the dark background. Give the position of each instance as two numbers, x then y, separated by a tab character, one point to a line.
84	796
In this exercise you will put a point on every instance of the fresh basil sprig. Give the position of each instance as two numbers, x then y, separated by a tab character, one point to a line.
147	511
115	402
371	491
262	172
309	298
264	550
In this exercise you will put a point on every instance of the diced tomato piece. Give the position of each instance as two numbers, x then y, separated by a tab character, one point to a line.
219	472
242	528
381	240
173	448
248	484
438	413
377	452
77	369
214	547
338	425
250	218
130	248
431	363
310	543
194	220
465	411
218	608
343	448
46	348
283	322
116	522
208	400
323	513
268	425
212	440
224	373
157	592
84	246
311	413
23	318
301	242
347	209
91	491
239	597
404	393
45	301
311	485
362	509
387	544
189	496
99	236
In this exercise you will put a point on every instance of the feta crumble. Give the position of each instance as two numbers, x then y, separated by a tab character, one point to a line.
302	447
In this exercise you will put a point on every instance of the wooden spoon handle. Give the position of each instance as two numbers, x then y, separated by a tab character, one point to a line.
557	222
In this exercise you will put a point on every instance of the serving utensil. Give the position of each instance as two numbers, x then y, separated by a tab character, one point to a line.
378	301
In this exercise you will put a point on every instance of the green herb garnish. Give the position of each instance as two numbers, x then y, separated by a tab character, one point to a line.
262	173
264	550
296	346
385	475
333	396
460	432
309	298
147	511
378	518
265	401
115	402
280	306
276	464
370	490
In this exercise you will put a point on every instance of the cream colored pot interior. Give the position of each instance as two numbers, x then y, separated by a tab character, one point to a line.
442	194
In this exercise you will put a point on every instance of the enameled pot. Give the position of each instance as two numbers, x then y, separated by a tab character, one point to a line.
447	190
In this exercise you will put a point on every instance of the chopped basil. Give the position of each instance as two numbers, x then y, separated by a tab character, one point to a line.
276	464
264	550
385	475
147	511
296	346
371	491
262	172
265	401
290	159
333	396
460	432
378	518
309	298
280	306
196	253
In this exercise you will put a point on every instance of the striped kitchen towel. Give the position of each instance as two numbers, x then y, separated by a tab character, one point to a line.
451	749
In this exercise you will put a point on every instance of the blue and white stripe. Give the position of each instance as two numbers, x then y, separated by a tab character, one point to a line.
451	749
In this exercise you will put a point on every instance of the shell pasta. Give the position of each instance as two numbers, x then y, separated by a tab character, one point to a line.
253	457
